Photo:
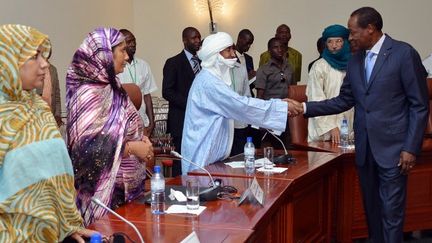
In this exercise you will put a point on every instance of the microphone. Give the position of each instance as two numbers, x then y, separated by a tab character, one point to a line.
282	159
209	194
101	204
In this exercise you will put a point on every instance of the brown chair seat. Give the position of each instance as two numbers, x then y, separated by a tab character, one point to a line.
298	125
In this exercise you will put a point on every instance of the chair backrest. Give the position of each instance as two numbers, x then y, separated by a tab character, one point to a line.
134	93
298	125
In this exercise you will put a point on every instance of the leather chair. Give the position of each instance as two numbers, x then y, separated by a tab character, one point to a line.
298	125
134	93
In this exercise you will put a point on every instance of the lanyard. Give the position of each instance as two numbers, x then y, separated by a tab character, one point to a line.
134	76
233	79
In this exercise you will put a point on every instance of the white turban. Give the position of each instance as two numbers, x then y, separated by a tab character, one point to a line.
211	60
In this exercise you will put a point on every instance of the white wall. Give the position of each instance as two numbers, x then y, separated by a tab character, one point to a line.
66	23
158	24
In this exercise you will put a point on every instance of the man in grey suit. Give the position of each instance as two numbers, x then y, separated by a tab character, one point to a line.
386	83
178	73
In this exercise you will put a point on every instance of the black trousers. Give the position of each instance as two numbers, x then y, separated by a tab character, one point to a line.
384	200
239	141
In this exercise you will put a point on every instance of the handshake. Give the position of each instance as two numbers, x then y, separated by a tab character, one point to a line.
295	108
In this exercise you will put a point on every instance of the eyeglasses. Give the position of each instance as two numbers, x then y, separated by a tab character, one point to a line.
282	77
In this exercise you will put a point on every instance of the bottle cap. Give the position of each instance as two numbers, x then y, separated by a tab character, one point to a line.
96	238
249	139
157	169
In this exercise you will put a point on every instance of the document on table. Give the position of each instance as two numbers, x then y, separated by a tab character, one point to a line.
183	209
240	164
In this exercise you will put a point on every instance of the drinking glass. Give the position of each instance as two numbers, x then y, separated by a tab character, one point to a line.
192	194
268	154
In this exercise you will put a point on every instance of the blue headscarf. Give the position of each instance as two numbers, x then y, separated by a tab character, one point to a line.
338	60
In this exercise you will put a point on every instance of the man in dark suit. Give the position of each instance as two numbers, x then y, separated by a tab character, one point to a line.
386	83
178	73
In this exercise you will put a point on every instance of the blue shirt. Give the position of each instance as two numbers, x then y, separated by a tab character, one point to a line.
211	108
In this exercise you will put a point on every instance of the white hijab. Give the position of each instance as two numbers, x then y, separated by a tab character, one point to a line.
212	60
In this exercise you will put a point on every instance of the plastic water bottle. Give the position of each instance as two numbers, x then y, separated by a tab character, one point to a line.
344	133
249	156
96	238
157	191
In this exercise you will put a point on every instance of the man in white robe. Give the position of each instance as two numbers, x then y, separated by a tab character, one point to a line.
213	106
325	79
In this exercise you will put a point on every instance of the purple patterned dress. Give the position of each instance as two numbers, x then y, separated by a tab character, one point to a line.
101	119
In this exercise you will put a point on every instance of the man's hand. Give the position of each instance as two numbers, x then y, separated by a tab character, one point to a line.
407	161
335	135
294	107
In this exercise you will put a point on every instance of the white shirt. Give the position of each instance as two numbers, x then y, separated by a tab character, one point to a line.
189	57
240	83
324	83
376	49
138	72
427	63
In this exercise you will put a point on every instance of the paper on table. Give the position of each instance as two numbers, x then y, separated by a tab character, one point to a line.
235	164
351	146
178	195
240	164
273	170
191	238
183	209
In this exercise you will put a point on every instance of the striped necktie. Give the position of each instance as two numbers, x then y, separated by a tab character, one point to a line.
195	65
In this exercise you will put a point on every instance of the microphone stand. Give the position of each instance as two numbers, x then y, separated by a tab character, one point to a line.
282	159
209	194
101	204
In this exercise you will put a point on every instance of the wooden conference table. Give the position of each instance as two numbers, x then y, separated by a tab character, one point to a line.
308	207
350	217
316	200
248	222
298	208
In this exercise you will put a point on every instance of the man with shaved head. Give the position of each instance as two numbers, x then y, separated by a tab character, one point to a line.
283	33
178	73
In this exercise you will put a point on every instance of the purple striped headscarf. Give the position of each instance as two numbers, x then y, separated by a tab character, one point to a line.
97	119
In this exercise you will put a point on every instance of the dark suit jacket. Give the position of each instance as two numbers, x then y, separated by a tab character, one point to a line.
391	110
177	80
249	62
250	67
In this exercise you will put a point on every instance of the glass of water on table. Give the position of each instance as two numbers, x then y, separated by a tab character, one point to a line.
192	194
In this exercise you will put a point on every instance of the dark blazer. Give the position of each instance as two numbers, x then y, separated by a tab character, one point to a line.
391	110
177	80
250	67
249	62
